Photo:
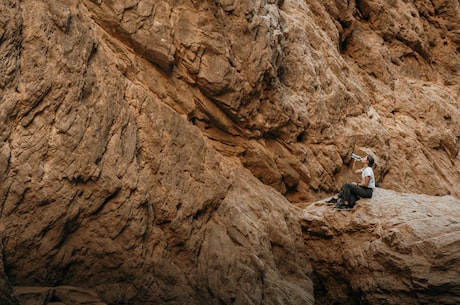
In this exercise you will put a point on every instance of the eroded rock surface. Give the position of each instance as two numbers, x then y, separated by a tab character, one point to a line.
395	248
166	152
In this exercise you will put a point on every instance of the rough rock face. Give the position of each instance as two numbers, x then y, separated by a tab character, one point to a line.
167	152
395	248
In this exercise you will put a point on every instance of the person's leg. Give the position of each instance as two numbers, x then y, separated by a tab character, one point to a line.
334	199
360	191
356	190
346	193
352	200
340	194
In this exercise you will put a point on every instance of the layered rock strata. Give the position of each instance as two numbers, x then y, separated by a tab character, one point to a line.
171	152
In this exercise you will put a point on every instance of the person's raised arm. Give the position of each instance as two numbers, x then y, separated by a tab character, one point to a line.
353	168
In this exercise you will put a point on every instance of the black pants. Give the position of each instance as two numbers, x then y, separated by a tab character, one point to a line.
350	193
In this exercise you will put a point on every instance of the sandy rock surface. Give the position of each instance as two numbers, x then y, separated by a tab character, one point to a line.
395	248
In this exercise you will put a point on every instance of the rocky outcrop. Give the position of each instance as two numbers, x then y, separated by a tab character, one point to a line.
291	89
395	248
171	152
56	295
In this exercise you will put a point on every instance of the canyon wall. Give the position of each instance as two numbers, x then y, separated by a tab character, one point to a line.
172	152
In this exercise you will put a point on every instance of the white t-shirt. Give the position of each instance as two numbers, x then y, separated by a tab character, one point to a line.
369	172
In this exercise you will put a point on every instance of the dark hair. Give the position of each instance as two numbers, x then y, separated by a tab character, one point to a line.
370	160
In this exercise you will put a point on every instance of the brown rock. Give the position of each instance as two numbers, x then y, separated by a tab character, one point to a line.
6	292
395	248
56	296
160	151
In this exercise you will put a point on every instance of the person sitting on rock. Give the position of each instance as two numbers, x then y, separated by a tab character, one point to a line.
351	191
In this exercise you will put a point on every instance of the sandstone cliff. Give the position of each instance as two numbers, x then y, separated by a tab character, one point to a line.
174	152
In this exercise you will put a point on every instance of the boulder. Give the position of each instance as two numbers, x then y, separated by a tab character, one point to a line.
394	248
174	152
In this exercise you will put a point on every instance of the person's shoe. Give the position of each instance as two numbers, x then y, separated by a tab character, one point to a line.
341	206
332	200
